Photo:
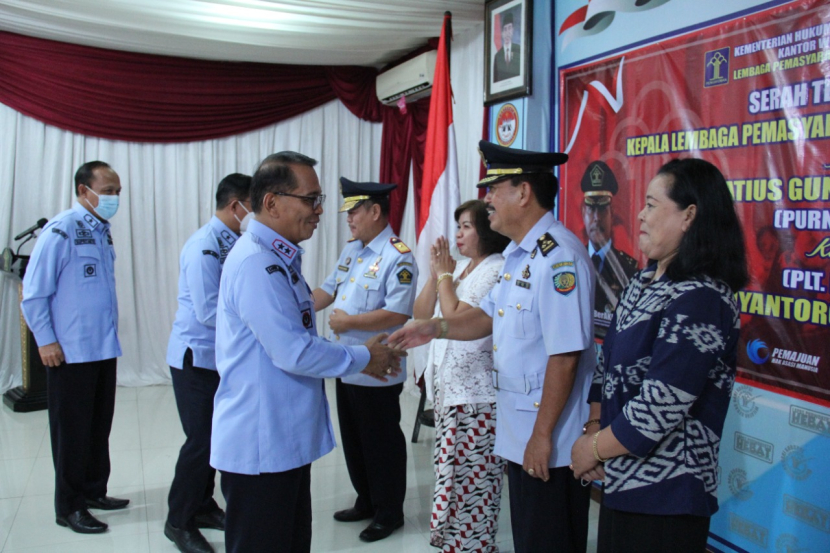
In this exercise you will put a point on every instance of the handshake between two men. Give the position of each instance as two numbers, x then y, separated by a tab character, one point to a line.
384	361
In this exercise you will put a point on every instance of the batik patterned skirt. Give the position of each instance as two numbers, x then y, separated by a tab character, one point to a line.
467	498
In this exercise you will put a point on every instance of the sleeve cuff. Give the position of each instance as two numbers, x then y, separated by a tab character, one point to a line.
630	438
45	337
360	358
595	393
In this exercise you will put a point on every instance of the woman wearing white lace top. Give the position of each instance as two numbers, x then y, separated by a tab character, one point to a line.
458	378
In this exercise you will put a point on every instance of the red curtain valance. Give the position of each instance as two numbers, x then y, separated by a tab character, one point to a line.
149	98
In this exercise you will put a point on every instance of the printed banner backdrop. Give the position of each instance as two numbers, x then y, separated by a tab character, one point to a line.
773	461
751	95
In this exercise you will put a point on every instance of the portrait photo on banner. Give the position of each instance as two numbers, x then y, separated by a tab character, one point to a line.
507	49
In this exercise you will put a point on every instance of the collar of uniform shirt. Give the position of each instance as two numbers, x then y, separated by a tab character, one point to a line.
377	243
266	235
217	224
92	221
602	251
529	241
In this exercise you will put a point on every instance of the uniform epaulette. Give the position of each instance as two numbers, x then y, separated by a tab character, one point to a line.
546	243
351	240
400	246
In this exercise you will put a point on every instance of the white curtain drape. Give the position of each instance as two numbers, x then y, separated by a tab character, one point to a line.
168	192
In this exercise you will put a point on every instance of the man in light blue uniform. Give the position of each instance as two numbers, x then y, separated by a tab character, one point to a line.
541	317
69	303
372	290
192	359
271	416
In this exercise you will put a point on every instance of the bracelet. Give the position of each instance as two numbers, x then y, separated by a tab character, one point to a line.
445	329
596	452
589	423
440	278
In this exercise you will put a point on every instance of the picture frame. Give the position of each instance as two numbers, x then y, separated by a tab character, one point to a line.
507	65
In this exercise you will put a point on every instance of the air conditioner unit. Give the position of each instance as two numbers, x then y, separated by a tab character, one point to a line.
412	78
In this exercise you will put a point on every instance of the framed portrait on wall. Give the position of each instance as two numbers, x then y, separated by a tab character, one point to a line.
508	32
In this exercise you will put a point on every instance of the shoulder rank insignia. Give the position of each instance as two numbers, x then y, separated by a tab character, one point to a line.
405	276
400	246
351	240
216	255
546	243
59	232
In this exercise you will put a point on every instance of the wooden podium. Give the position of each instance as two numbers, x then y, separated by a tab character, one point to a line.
31	396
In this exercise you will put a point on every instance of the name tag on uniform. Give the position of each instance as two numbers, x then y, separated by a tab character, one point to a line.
343	268
522	284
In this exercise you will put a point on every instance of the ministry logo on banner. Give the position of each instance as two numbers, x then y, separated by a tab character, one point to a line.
716	67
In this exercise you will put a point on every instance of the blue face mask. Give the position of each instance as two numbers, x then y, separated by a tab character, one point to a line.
107	205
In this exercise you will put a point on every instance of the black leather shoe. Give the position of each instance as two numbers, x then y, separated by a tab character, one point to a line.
188	541
214	519
107	503
377	531
82	522
352	515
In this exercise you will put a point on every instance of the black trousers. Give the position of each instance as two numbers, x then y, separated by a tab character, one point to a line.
621	532
81	401
374	447
548	516
192	490
268	512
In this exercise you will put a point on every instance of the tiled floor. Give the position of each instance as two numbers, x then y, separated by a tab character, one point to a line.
144	445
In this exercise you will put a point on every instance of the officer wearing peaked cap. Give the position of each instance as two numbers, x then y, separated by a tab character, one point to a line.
614	267
541	318
372	289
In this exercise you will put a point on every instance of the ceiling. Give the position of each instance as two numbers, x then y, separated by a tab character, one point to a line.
315	32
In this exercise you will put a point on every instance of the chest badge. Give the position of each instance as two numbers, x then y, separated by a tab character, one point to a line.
374	268
348	260
526	272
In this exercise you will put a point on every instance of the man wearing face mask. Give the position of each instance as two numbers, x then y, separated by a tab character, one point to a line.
69	303
192	359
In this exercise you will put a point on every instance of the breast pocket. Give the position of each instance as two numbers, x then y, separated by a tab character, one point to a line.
90	267
522	317
373	292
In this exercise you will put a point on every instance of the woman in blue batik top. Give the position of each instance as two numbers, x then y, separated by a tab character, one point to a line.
660	395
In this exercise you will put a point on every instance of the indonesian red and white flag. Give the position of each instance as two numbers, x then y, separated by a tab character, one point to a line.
439	185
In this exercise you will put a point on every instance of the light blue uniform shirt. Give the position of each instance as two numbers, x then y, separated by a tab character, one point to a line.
69	288
541	306
200	264
270	410
375	276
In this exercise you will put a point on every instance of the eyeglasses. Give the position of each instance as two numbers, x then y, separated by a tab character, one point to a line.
313	201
